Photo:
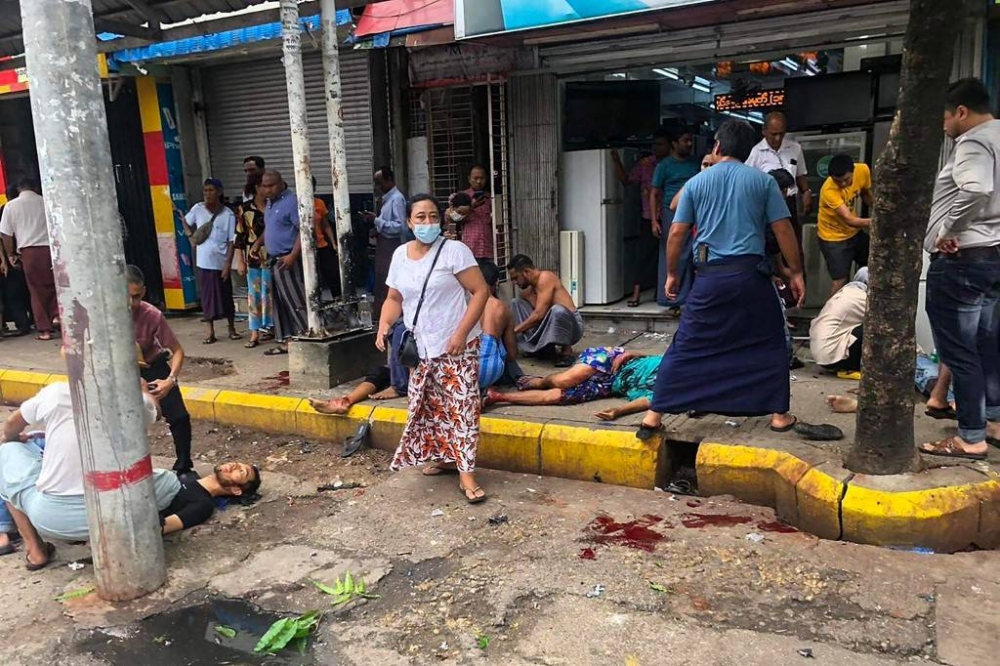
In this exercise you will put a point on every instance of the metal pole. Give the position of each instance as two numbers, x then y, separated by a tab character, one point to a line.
291	46
338	145
88	257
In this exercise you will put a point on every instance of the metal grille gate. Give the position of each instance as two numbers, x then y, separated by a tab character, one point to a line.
465	125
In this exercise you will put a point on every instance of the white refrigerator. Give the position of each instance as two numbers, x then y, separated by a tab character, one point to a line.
592	200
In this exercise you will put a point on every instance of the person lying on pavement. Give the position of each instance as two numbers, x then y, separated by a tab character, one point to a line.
45	494
600	372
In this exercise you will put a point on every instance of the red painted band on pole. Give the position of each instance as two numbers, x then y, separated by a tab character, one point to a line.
105	481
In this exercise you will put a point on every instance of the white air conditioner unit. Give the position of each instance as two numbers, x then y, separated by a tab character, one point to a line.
571	264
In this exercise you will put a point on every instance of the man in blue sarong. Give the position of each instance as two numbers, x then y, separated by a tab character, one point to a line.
729	355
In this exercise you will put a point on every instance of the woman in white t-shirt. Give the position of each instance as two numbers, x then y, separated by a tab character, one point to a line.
442	427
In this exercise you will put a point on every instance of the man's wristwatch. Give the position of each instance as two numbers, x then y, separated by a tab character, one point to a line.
174	380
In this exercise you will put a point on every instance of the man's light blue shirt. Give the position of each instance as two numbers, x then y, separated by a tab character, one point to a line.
391	221
731	205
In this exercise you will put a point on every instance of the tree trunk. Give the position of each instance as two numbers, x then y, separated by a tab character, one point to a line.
904	184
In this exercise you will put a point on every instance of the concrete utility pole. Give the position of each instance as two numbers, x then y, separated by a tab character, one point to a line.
338	145
291	46
75	161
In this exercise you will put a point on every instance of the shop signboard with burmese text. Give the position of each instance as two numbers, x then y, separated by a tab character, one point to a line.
475	18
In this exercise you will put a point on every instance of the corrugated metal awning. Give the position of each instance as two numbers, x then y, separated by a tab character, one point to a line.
145	20
401	16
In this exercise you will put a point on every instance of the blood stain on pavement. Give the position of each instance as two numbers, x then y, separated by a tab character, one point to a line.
776	526
698	520
636	534
588	554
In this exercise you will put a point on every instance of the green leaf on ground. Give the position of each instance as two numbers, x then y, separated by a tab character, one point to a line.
482	641
223	630
286	630
75	594
657	587
326	589
346	589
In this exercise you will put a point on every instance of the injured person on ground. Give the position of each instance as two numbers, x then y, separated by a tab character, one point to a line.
600	372
44	495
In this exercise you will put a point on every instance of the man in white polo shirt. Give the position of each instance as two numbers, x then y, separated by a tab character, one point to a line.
778	151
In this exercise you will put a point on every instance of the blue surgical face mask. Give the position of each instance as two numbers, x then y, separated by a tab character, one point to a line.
427	233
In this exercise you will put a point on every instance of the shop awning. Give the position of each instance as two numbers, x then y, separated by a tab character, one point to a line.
143	22
397	17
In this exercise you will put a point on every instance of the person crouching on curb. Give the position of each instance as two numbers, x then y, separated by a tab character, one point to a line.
438	288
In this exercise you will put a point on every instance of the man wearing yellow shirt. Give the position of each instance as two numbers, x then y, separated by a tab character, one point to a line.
842	236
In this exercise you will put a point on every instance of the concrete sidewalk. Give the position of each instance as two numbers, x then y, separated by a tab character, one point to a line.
945	508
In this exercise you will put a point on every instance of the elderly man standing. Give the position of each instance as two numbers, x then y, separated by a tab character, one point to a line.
963	281
24	219
390	224
284	251
777	151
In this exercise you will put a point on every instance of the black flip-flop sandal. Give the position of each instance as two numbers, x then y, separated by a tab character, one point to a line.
566	362
787	428
645	432
472	500
50	552
818	433
942	413
210	341
277	351
441	471
633	303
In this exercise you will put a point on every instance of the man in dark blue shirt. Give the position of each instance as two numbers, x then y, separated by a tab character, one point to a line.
284	252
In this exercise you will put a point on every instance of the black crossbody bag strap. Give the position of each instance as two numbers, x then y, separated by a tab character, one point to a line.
427	279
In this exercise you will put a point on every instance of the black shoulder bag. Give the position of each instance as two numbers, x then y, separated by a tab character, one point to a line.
407	353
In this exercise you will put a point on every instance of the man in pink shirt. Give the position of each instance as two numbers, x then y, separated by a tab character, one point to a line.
642	175
477	228
162	358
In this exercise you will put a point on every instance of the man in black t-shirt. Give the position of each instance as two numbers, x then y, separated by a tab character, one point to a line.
195	501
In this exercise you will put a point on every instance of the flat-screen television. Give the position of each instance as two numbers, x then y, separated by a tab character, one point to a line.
814	102
610	113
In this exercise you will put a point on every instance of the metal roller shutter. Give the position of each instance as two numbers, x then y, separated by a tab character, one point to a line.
247	114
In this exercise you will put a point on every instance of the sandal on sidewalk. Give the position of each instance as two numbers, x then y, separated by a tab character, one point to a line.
787	428
233	335
435	470
942	413
252	344
948	448
211	340
474	498
50	552
277	351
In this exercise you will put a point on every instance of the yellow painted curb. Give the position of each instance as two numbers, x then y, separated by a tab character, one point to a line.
19	385
310	423
387	427
605	455
514	446
817	504
270	413
200	402
943	519
988	535
760	476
